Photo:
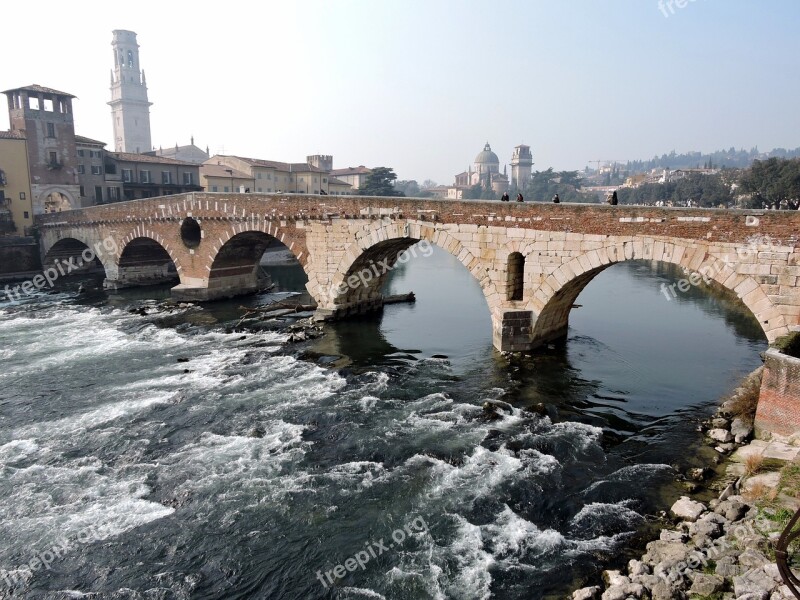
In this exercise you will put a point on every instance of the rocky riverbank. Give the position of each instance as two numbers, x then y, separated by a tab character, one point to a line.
723	549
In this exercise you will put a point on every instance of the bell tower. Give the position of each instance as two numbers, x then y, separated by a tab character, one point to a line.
130	109
521	166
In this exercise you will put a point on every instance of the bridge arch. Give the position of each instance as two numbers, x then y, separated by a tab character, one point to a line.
365	264
234	265
144	258
74	254
553	299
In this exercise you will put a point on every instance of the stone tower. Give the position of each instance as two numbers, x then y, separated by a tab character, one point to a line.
321	161
521	163
44	116
130	108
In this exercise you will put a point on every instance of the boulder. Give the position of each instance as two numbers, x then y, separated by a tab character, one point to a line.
624	591
614	579
672	536
752	559
727	567
687	509
733	510
722	436
664	590
741	430
637	568
757	582
587	593
719	423
706	585
665	552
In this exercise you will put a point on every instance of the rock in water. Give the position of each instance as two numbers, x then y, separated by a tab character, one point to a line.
687	509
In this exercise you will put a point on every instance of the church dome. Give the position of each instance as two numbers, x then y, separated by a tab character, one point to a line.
487	157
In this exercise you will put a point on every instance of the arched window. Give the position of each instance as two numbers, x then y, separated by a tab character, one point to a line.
130	58
516	276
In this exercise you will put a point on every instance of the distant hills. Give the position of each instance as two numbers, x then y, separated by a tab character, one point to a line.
729	159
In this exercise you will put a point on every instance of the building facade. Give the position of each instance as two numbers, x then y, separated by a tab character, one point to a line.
355	176
145	176
484	171
99	184
270	176
16	208
130	108
44	117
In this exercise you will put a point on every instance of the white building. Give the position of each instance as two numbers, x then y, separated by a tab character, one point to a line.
130	109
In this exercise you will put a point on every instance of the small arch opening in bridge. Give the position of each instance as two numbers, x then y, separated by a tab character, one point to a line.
254	261
516	276
144	261
191	233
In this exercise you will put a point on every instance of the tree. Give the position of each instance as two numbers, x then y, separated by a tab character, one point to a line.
379	182
408	188
773	182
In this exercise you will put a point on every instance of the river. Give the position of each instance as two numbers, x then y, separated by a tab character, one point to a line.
153	456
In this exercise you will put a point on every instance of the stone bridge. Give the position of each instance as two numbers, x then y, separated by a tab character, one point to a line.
531	260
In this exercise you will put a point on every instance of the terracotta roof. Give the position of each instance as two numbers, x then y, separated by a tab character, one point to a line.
359	170
79	139
11	135
146	158
336	181
222	171
35	87
277	165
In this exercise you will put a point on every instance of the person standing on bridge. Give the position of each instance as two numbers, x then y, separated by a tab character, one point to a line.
504	197
556	199
520	198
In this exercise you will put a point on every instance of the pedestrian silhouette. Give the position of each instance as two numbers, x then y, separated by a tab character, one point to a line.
520	198
504	197
556	199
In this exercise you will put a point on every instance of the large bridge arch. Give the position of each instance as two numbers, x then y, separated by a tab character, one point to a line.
552	301
144	258
235	267
359	275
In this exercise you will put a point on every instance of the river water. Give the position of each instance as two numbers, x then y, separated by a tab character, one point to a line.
153	456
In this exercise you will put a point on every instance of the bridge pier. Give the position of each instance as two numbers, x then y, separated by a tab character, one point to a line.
141	275
220	287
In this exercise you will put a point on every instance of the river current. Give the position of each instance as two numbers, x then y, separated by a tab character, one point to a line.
169	456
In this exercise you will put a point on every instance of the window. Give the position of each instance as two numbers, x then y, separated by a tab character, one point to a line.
98	194
97	170
83	191
258	175
188	179
80	153
22	195
166	177
33	103
144	177
127	175
51	130
516	276
214	188
26	215
260	190
81	169
48	105
225	189
324	180
113	194
269	175
53	158
94	153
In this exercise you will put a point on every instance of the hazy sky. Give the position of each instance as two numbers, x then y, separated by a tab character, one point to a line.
421	85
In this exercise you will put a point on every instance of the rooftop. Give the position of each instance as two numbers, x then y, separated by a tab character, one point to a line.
359	170
39	89
274	164
214	170
11	135
79	139
147	158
